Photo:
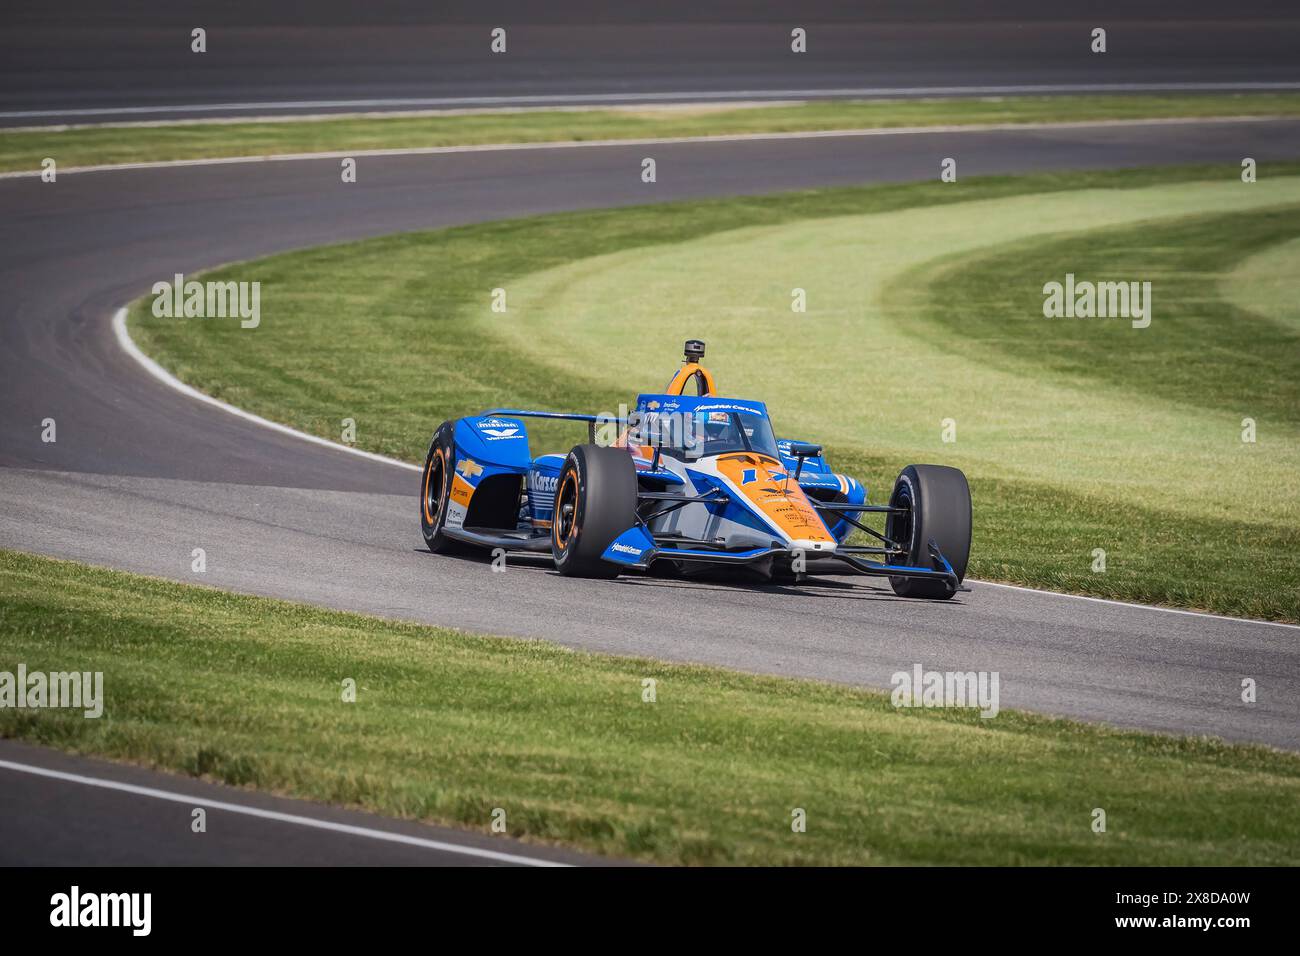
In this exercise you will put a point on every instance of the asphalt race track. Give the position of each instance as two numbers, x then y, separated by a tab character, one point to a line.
140	475
74	810
87	61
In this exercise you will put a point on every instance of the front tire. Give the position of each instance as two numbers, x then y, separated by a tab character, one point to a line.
938	508
435	491
595	502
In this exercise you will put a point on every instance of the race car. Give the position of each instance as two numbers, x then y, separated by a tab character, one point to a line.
684	484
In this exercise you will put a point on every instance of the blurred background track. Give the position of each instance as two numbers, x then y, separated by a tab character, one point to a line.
88	61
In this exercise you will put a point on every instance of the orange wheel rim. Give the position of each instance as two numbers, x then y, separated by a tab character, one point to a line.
431	517
562	530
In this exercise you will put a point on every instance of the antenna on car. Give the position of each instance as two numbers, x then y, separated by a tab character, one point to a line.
694	350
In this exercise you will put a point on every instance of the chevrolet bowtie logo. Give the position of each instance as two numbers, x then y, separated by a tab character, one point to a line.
469	467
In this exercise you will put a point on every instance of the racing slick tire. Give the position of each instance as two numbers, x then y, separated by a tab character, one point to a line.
938	508
595	502
435	490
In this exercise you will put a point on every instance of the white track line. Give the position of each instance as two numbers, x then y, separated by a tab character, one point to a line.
172	382
655	141
666	109
688	97
1143	607
196	801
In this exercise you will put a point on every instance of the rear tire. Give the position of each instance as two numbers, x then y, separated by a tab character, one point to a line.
435	489
595	502
939	508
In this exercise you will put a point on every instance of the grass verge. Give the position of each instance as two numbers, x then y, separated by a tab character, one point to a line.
448	726
924	303
134	143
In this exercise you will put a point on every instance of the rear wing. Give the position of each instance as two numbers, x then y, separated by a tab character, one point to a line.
591	420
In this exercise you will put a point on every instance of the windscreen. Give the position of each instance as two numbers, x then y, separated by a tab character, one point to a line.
718	433
687	429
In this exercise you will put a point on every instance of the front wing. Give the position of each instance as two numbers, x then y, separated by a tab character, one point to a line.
637	547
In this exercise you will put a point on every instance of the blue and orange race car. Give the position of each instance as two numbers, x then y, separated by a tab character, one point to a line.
684	484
